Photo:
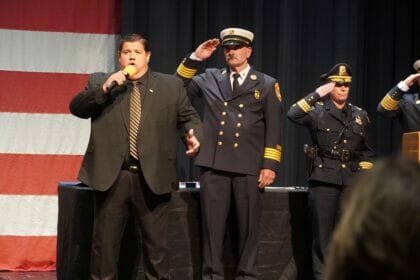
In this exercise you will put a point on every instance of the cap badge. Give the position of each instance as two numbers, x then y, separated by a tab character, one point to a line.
232	31
342	70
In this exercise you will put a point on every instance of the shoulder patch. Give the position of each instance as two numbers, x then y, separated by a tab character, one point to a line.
277	91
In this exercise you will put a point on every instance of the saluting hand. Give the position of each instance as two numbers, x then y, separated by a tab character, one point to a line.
193	145
206	49
409	81
325	89
266	178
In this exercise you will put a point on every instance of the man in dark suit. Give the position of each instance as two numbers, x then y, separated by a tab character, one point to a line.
136	117
402	102
241	149
340	151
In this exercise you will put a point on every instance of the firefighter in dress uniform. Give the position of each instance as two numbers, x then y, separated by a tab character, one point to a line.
402	102
241	149
339	152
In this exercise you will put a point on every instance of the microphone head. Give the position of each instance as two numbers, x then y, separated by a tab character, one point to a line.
131	70
416	66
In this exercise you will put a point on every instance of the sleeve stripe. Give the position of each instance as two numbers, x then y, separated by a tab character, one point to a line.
273	154
365	165
185	72
304	105
389	104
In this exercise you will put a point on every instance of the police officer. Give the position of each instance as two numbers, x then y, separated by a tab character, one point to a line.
241	149
339	152
403	102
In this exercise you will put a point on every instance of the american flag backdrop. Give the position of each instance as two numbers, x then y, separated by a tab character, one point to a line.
47	49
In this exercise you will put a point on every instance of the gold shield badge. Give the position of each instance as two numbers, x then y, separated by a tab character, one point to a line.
358	120
257	94
342	70
277	91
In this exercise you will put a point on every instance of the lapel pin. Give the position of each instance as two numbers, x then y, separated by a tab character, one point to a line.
253	77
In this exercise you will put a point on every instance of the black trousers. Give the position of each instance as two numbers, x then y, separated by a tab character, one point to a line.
218	190
325	206
129	193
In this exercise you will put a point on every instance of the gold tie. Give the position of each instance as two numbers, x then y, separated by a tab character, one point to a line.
135	114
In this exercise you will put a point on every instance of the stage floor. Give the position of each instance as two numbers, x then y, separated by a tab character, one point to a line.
10	275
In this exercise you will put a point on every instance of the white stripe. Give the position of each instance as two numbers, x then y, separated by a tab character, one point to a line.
27	133
57	52
28	215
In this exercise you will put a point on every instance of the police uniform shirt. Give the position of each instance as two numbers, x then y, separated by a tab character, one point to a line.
335	132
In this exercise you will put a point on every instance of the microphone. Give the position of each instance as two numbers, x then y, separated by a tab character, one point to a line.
416	66
129	70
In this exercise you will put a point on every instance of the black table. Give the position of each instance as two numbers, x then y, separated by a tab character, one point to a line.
284	244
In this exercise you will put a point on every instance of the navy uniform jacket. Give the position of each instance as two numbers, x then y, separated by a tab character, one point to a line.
242	132
402	105
333	132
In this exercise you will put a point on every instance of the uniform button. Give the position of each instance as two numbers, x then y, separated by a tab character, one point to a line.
320	166
241	105
219	143
220	132
345	141
237	134
222	122
225	103
335	147
240	115
238	124
328	129
236	145
224	113
343	165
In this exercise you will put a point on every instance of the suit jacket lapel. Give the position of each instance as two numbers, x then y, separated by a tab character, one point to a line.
224	85
125	106
148	96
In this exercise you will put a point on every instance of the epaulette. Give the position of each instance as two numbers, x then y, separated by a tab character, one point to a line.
356	107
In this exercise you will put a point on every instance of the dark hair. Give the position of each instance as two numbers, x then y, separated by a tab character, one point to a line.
133	38
378	236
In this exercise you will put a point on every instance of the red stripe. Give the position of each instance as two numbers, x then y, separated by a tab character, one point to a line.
79	16
33	92
36	174
27	253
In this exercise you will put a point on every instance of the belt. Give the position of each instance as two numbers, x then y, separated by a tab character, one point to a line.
343	155
131	168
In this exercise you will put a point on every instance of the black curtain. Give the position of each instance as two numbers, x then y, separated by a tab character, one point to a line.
295	42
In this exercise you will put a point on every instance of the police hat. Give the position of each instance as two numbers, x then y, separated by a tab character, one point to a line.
340	73
233	36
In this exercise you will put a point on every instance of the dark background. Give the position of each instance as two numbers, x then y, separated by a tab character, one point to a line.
295	41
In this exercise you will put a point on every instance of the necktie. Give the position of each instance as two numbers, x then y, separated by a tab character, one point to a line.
235	84
135	114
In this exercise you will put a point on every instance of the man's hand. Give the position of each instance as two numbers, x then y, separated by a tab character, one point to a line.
409	81
192	143
325	89
118	77
266	178
206	49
